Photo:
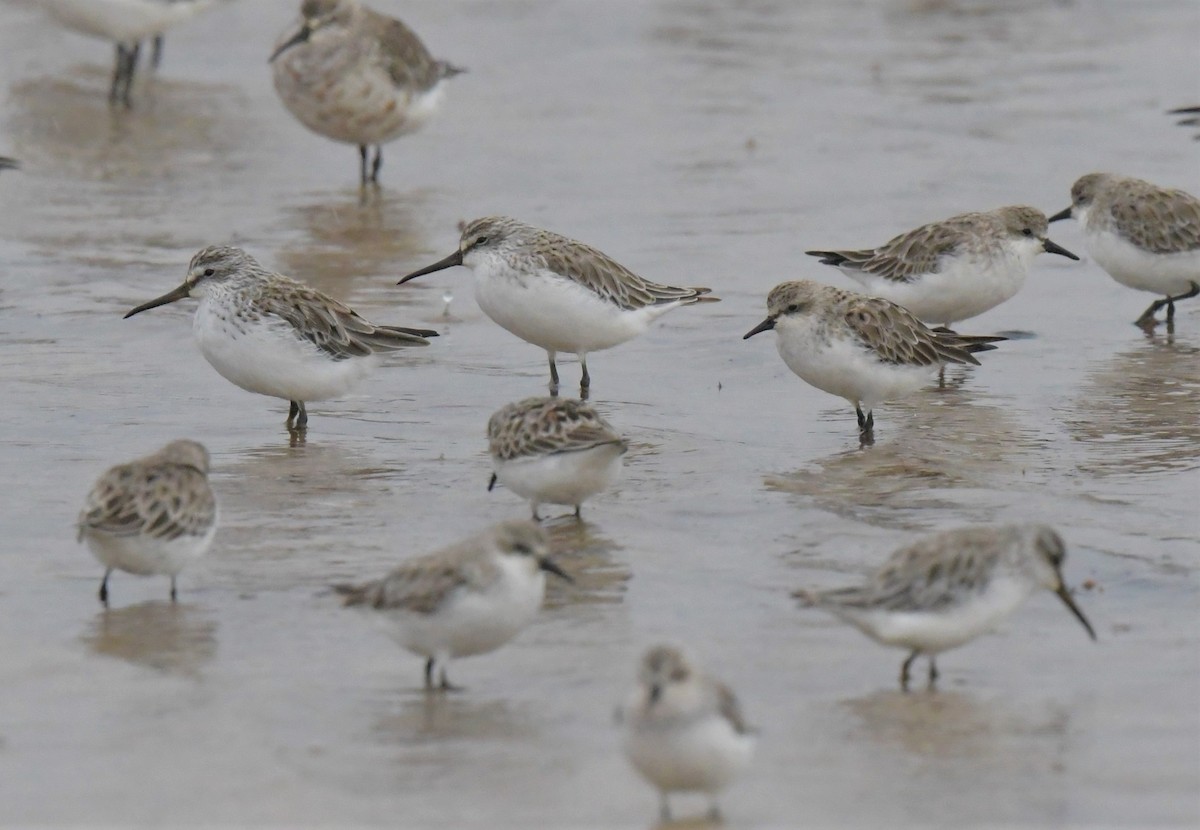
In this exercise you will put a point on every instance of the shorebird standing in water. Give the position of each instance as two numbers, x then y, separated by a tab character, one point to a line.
353	75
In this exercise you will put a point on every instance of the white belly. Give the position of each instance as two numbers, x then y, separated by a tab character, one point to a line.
934	632
844	368
556	313
1163	274
265	356
470	622
965	288
562	478
145	556
122	21
703	756
349	102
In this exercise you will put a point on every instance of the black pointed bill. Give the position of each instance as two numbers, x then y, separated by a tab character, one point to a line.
547	565
492	483
1065	596
301	36
455	258
765	325
1065	213
1054	248
182	292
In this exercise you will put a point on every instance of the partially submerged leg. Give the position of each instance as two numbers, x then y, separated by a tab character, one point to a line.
429	673
173	595
301	415
362	165
445	685
156	55
585	382
553	375
293	411
378	163
933	672
904	670
104	587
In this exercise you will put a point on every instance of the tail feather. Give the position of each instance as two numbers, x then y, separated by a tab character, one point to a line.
396	337
353	594
829	257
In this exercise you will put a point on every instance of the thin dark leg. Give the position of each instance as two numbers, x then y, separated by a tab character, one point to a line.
586	381
156	55
445	685
173	595
378	163
862	418
104	588
131	68
429	673
302	416
553	376
904	670
1147	318
118	72
293	411
362	154
664	807
579	512
933	672
866	426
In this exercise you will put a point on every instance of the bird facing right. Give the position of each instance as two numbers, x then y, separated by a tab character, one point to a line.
955	269
353	75
682	730
553	450
946	589
1145	236
151	516
467	599
864	349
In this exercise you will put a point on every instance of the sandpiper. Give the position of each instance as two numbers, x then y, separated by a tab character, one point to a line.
683	730
270	334
553	450
1145	236
864	349
955	269
126	23
556	293
467	599
946	589
151	516
357	76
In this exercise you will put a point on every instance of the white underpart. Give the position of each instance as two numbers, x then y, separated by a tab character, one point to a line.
966	286
842	366
935	631
144	555
1168	275
473	622
268	357
554	312
561	477
700	754
328	88
123	21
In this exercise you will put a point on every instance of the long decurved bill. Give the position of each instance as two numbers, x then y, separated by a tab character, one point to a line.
180	293
547	565
441	265
1066	597
1053	248
300	37
1065	213
765	325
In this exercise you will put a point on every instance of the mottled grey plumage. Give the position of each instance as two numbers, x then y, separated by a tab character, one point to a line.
1159	220
541	426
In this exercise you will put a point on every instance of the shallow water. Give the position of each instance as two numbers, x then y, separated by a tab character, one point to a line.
700	143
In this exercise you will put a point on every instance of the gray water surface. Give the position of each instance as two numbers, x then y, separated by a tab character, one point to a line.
699	143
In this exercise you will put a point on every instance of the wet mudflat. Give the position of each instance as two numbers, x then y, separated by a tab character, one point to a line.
701	144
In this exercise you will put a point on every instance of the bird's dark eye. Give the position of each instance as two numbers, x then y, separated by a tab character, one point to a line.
481	240
523	549
1027	231
793	308
208	272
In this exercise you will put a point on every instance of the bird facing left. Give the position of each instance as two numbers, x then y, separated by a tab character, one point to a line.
275	336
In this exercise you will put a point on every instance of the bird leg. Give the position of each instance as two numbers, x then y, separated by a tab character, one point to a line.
104	588
1147	319
378	163
904	670
553	376
173	596
933	672
429	673
362	154
445	685
293	411
118	71
131	59
579	512
866	426
585	382
297	415
156	55
664	807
